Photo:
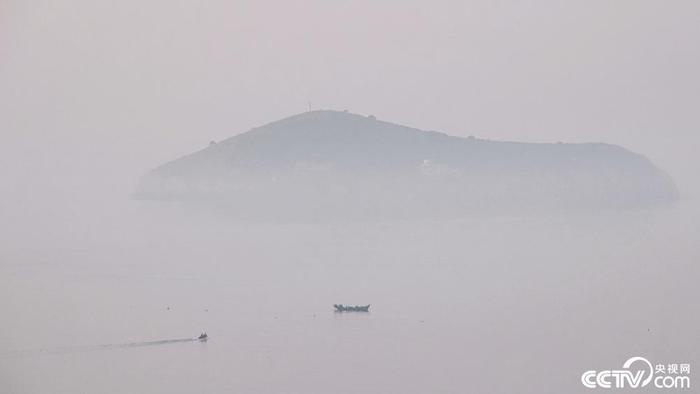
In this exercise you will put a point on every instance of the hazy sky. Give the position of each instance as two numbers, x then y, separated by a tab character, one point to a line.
116	87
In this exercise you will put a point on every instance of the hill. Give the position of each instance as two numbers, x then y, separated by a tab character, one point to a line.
337	159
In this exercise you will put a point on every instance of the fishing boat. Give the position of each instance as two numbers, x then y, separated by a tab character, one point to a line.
203	337
349	308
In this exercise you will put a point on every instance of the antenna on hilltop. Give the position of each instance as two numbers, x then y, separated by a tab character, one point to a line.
309	106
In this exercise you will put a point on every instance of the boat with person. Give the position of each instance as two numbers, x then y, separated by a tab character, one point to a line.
349	308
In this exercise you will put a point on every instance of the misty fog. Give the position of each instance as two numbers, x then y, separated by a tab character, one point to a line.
103	292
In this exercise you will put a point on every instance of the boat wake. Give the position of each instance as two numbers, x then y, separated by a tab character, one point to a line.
94	348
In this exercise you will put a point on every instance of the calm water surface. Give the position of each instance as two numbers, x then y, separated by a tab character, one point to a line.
500	304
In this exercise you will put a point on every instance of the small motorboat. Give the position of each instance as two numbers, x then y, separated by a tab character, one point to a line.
203	336
349	308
